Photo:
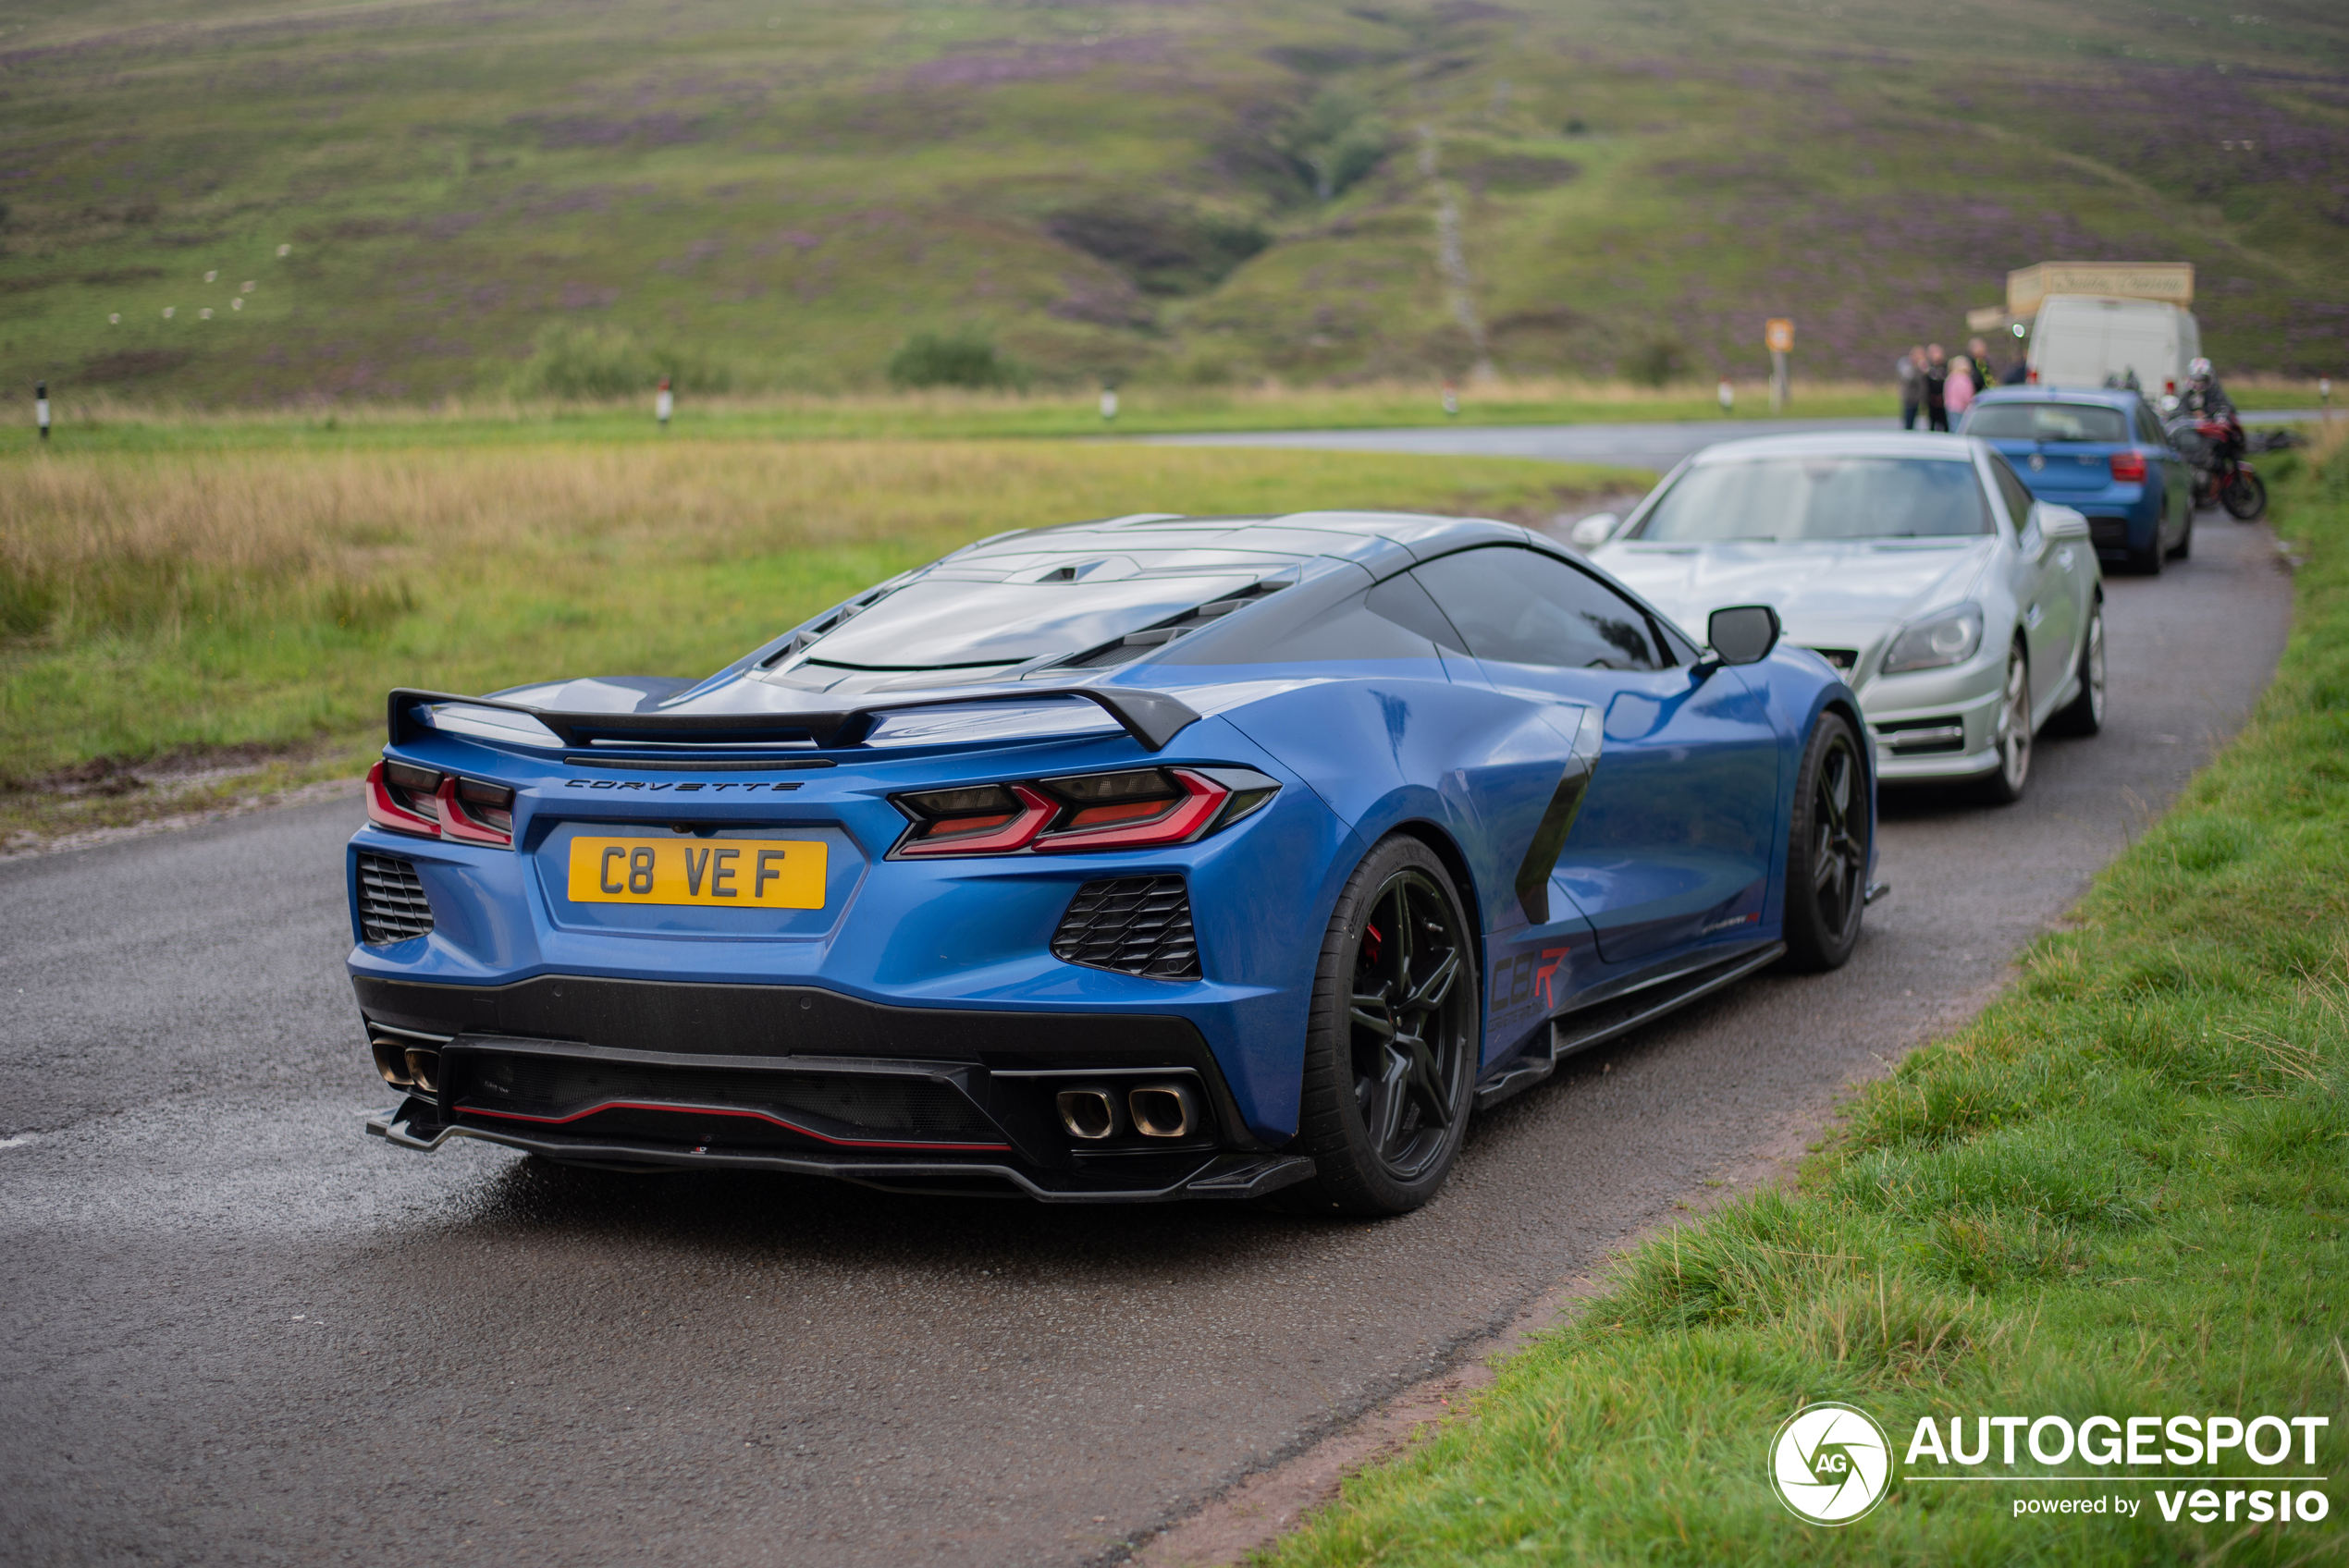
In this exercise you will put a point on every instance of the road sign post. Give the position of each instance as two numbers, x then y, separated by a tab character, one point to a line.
1778	332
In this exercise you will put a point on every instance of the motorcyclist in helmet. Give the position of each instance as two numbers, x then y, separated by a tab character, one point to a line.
2203	394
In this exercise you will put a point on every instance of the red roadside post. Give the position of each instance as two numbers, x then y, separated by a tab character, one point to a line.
664	403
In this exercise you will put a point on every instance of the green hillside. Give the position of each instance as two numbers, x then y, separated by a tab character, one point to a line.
404	201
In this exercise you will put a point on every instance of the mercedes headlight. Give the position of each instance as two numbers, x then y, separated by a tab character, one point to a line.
1948	637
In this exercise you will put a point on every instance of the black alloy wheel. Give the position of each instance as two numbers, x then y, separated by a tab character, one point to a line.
1827	874
1390	1039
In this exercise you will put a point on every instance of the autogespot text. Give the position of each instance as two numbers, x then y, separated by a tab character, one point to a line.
2032	1443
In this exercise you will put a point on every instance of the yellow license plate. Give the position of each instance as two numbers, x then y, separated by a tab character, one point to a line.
720	873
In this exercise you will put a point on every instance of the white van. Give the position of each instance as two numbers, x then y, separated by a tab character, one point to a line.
2080	339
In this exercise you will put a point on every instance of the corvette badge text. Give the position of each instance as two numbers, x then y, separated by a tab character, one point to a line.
686	788
1831	1464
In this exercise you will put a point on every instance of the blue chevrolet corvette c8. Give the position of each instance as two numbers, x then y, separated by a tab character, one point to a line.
1148	858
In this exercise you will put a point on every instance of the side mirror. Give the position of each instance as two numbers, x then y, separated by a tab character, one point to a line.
2061	523
1596	529
1743	633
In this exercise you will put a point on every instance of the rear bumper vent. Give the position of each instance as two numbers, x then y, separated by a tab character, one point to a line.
392	901
627	1097
1134	925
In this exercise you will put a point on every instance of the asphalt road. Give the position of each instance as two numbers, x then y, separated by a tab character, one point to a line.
1650	445
234	1330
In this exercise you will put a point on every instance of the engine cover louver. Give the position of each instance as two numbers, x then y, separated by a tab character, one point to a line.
1134	925
392	907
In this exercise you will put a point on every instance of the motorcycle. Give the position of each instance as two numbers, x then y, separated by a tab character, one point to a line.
2214	447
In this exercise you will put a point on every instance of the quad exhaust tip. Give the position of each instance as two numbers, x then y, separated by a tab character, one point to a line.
404	1066
1089	1114
1164	1110
391	1061
423	1068
1155	1110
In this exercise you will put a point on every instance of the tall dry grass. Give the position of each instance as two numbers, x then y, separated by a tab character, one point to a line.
133	542
156	600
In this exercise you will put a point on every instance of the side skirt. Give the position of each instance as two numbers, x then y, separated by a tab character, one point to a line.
1619	1014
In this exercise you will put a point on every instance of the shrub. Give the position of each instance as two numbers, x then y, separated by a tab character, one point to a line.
570	361
1657	362
930	359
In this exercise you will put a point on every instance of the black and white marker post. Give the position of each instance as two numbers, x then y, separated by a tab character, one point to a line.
41	406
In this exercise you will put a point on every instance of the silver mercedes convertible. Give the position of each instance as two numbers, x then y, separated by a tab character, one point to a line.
1967	616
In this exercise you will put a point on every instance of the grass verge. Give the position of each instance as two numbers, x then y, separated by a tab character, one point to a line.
2123	1189
153	604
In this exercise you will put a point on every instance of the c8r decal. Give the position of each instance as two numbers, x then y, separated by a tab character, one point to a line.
1528	977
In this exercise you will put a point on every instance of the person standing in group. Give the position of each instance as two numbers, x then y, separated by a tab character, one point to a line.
1937	382
1957	393
1910	369
1985	376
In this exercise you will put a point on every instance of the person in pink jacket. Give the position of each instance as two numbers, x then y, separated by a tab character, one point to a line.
1958	394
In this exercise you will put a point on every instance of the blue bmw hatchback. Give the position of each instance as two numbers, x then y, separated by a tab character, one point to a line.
2103	453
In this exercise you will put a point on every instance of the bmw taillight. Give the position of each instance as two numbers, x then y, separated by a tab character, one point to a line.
2129	467
1132	809
432	805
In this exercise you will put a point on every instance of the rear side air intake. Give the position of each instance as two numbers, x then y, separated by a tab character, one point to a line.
392	901
1134	925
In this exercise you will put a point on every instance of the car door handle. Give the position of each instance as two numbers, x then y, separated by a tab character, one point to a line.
2031	618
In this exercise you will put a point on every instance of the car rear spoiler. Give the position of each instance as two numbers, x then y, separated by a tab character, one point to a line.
1151	717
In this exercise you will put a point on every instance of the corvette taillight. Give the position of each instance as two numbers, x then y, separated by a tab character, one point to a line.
432	805
2129	467
1136	808
1128	811
475	812
994	820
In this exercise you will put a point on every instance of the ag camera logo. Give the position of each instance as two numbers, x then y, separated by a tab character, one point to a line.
1830	1463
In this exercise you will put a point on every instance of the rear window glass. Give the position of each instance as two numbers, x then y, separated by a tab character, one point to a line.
1821	498
2049	422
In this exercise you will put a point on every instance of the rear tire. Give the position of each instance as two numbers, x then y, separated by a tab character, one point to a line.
1390	1041
2244	497
1826	855
2083	715
2186	542
2004	785
2148	561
